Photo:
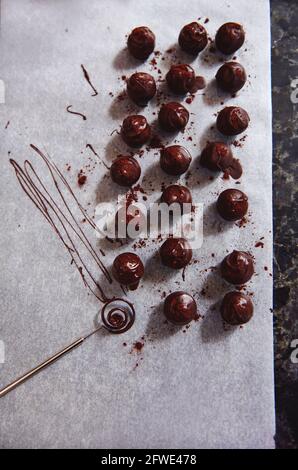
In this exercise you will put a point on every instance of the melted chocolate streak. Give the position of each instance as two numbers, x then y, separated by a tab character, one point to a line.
74	112
63	223
86	75
96	154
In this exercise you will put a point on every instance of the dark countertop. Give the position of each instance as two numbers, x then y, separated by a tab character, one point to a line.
285	126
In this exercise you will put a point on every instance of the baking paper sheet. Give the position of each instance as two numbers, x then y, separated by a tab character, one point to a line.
204	388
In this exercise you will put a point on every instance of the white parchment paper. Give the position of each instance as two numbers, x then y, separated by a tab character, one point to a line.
204	388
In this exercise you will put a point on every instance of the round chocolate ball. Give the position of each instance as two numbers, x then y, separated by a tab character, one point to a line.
232	120
141	42
175	253
236	308
181	78
232	204
135	130
173	117
176	194
237	267
218	156
141	88
175	160
125	170
229	38
231	77
193	38
180	308
130	222
128	269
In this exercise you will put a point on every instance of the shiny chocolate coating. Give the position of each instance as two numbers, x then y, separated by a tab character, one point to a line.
141	42
173	117
232	120
232	204
175	160
180	308
231	77
181	79
229	38
128	269
135	130
237	267
125	170
193	38
176	194
141	88
130	221
236	308
175	253
218	156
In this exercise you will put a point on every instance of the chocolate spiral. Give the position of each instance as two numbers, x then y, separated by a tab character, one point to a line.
118	315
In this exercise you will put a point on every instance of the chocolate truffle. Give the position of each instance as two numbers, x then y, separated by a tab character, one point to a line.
176	194
180	308
175	253
173	117
125	170
130	221
236	308
181	79
128	270
218	156
232	120
193	38
229	38
231	77
141	88
175	160
135	130
237	267
141	42
232	204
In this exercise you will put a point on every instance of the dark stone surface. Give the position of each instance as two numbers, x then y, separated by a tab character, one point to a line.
285	125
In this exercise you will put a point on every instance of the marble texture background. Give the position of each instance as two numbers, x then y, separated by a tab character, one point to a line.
284	17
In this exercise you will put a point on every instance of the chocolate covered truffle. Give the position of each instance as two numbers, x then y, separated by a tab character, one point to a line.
176	194
128	270
175	160
218	156
175	253
237	267
232	204
141	42
130	221
135	130
173	117
229	38
193	38
232	120
236	308
180	308
231	77
141	88
125	170
181	79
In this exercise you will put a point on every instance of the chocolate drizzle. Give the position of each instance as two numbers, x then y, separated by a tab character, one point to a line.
86	75
74	112
62	219
96	154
